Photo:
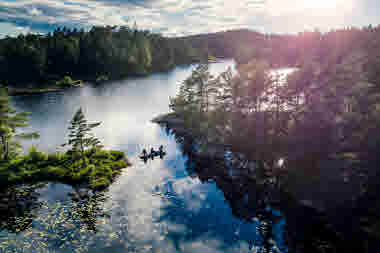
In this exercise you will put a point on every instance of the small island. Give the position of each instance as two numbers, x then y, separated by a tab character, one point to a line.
85	162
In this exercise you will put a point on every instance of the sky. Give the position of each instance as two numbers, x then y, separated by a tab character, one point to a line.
185	17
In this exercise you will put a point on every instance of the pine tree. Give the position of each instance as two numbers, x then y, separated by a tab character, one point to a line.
10	121
80	137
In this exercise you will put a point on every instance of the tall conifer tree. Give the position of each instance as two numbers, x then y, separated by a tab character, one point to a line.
80	136
10	121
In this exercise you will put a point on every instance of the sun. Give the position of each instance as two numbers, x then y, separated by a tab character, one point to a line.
329	8
321	4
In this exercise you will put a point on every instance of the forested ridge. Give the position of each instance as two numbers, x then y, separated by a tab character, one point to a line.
102	53
112	52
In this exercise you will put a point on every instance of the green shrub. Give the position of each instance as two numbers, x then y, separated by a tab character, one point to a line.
117	155
56	157
13	177
36	156
102	155
118	165
97	170
65	82
16	162
83	172
100	183
58	172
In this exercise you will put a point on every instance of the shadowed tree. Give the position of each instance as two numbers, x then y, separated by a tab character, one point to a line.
10	121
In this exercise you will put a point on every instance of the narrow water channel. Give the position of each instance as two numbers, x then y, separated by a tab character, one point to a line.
156	206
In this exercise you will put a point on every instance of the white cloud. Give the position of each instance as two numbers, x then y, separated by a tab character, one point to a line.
34	12
182	17
7	29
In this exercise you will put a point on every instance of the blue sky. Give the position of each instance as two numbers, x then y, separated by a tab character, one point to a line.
184	17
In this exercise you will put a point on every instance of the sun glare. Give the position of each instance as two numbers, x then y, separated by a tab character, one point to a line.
321	4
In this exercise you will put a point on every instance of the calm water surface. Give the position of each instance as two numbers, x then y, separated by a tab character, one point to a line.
153	207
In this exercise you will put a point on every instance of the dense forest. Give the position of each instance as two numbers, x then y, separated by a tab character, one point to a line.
337	76
112	52
101	53
324	117
291	134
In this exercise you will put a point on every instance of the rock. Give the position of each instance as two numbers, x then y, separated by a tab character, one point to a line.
169	119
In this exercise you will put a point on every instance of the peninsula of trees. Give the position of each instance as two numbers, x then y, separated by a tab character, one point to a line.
293	131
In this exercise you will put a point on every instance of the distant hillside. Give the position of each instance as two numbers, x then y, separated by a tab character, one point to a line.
227	44
284	50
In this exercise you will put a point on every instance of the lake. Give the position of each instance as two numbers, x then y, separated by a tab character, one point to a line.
158	206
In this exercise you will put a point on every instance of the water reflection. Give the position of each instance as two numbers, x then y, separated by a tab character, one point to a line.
175	204
17	205
282	224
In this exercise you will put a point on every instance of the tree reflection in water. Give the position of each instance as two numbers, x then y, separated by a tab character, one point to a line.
252	202
87	207
17	205
257	200
39	225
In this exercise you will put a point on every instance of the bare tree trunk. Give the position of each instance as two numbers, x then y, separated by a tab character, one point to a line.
6	155
82	151
5	148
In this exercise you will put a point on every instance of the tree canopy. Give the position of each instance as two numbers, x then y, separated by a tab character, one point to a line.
115	52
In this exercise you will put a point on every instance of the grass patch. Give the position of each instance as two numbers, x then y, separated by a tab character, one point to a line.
97	169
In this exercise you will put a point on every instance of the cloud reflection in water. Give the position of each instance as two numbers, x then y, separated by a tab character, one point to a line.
157	204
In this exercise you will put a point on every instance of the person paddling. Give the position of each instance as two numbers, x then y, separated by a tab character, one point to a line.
161	152
144	152
152	153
